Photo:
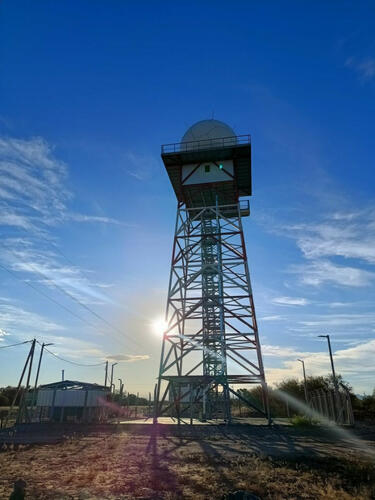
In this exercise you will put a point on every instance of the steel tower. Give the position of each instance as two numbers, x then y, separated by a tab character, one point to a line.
211	341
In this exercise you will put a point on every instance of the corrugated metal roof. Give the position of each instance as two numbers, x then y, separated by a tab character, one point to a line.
73	384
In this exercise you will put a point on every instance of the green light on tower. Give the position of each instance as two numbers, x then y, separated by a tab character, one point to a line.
221	166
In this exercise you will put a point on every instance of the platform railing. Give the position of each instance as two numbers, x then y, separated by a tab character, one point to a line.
203	144
232	208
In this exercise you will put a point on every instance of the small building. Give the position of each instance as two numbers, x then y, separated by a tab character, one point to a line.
72	401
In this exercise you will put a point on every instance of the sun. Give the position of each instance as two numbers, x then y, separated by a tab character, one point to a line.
159	325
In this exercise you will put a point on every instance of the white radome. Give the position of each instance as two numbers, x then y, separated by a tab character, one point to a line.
206	130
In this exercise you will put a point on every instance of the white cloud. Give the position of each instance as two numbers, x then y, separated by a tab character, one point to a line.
129	358
323	271
350	242
95	218
339	320
34	199
344	235
290	301
44	265
339	304
354	363
274	317
33	192
364	67
3	333
19	321
141	167
281	352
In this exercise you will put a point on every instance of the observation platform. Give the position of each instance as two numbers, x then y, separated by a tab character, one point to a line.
229	179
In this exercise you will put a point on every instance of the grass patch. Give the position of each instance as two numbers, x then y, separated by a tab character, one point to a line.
168	467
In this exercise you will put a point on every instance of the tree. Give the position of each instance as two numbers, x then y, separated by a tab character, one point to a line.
4	400
295	388
9	392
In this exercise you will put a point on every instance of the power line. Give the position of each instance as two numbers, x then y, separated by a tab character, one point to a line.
82	304
13	345
72	362
45	295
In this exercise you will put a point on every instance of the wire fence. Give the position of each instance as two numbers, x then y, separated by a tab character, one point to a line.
334	405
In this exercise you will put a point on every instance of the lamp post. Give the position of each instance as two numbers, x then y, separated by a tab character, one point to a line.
106	374
113	365
121	386
304	380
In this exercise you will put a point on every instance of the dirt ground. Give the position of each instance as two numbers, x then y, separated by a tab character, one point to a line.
149	462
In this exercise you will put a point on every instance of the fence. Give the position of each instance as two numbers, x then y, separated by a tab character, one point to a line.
333	405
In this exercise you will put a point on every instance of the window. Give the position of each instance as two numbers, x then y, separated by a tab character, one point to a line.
207	169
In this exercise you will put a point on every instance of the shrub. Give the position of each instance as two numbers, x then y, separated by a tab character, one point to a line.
301	421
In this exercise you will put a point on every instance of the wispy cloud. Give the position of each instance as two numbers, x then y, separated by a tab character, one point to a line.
43	265
343	235
19	321
3	334
274	317
33	200
323	271
282	352
96	218
290	301
355	240
364	319
141	167
33	192
364	67
129	358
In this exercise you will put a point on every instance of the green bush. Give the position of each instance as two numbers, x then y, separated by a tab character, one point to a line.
301	421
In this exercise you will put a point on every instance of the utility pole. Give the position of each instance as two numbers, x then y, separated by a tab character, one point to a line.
19	384
331	358
23	401
304	380
62	375
106	374
37	372
113	365
335	384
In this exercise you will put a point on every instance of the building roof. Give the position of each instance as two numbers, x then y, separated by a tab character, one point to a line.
74	384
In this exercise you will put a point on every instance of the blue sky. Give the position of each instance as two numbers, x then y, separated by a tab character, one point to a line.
90	90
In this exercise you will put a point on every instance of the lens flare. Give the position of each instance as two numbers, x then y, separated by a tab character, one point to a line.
159	326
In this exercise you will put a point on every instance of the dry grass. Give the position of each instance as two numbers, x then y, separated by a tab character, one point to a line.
119	466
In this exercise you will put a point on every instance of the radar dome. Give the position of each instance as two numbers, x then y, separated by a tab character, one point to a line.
207	130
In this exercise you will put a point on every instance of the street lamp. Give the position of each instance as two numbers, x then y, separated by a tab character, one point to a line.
121	386
304	379
113	365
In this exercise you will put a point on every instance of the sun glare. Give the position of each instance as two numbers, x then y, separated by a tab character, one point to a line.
159	325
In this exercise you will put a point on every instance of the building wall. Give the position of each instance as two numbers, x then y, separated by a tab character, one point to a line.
200	176
71	397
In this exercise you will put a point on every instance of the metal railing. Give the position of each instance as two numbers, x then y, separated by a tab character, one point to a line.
203	144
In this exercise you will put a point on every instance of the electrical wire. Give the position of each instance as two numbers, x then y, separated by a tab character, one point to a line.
82	304
13	345
72	362
46	295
